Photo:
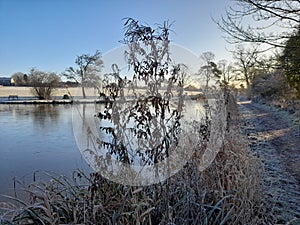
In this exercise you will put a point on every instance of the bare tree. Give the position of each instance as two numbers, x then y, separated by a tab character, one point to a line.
86	73
209	69
205	70
43	83
20	79
245	62
250	62
227	72
272	21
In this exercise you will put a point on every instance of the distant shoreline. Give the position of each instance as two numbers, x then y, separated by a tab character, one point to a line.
23	95
5	91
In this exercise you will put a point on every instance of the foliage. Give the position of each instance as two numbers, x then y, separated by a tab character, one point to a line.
270	85
154	121
20	79
209	69
250	64
222	72
43	83
257	21
87	73
291	61
265	17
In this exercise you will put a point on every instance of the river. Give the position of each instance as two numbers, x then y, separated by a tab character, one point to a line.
40	137
36	138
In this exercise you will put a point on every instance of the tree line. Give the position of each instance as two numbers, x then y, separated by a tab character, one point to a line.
44	83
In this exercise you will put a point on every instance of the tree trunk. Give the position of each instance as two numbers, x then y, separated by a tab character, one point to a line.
83	83
83	91
249	88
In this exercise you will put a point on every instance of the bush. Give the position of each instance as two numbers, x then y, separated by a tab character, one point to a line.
270	85
43	83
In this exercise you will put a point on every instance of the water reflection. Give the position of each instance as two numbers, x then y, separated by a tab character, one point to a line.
41	114
36	137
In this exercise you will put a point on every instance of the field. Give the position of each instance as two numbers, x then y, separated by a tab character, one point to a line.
5	91
58	93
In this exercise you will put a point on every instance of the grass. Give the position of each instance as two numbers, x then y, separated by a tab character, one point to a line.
5	91
229	191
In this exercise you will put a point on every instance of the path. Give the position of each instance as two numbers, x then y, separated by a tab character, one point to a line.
275	137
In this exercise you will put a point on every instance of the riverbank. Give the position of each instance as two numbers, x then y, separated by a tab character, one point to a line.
6	91
52	101
23	95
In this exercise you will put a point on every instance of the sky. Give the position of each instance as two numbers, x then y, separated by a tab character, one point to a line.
49	34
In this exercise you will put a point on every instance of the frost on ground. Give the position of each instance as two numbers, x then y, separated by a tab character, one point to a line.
274	136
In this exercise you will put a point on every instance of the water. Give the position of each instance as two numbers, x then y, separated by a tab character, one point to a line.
36	138
119	139
40	138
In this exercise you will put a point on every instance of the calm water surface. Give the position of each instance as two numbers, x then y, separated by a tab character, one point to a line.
40	138
36	138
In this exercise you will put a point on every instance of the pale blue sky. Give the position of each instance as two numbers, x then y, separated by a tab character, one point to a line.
49	34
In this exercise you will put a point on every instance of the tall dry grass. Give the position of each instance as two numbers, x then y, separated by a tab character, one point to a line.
229	191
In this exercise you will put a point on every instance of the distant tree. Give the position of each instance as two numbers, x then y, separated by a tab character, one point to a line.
251	63
20	79
291	61
209	69
25	77
43	83
257	21
226	72
245	63
86	73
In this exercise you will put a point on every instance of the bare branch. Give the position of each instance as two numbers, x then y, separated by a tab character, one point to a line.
266	15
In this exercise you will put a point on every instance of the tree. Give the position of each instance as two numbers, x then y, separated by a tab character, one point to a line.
20	79
251	65
272	21
208	69
226	72
86	73
291	61
245	62
43	83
